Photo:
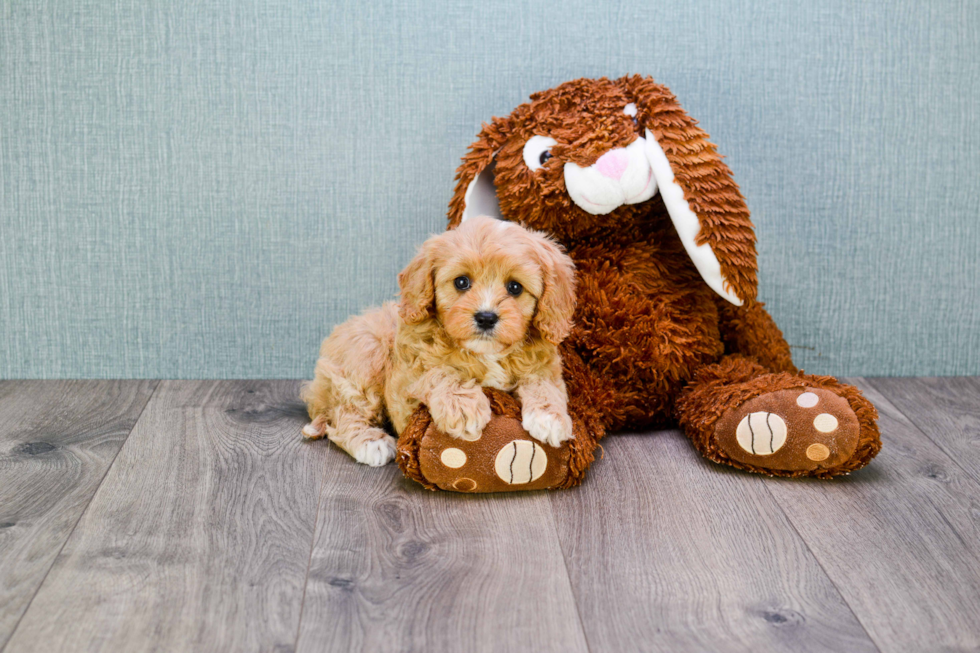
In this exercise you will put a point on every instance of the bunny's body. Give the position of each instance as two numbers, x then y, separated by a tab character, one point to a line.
667	326
654	308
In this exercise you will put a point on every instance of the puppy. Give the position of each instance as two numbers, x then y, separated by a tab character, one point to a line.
485	304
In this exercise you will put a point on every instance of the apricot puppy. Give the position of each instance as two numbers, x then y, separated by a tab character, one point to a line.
485	304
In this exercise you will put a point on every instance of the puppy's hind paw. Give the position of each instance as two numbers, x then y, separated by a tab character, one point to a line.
376	453
548	426
315	429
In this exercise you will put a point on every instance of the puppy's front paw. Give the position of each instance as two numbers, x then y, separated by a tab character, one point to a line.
461	414
546	425
376	453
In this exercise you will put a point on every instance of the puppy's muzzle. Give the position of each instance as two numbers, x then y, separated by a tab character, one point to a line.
485	320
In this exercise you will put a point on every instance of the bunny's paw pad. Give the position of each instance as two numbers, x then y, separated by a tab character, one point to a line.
504	458
800	429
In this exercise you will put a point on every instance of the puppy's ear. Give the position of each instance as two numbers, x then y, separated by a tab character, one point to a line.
417	284
556	305
475	192
701	196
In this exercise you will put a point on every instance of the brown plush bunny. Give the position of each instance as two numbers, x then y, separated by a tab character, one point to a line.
667	327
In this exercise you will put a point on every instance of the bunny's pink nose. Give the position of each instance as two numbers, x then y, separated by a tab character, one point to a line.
613	163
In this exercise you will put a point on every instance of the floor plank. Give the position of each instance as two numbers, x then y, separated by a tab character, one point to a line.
947	409
215	519
901	538
199	537
57	439
668	552
399	568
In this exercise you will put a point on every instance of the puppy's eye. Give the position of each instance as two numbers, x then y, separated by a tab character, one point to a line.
537	150
462	283
514	288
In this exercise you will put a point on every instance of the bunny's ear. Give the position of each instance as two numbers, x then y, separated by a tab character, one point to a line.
476	193
701	196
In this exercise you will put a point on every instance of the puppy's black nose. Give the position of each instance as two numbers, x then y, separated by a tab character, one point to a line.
485	319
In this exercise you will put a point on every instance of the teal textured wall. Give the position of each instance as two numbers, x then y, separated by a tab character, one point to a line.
202	189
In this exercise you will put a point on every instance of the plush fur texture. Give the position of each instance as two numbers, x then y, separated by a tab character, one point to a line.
581	446
735	380
652	344
431	350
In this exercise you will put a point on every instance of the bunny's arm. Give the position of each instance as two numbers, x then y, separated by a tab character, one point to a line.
750	330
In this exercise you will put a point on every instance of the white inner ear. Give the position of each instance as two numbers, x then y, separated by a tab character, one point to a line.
481	196
686	221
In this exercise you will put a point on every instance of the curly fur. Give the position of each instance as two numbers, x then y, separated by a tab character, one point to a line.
428	349
651	342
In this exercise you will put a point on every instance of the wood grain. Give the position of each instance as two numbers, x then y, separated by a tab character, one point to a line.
901	538
57	439
947	409
399	568
214	519
199	537
668	552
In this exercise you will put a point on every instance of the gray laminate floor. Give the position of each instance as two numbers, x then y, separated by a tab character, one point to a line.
190	516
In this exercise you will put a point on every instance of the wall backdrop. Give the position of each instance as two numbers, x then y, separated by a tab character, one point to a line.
203	189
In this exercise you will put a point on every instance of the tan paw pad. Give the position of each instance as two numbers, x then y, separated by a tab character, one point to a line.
817	452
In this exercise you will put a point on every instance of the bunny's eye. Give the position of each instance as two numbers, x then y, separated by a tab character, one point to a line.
537	151
630	110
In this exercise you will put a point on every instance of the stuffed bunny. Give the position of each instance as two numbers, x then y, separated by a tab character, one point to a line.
667	327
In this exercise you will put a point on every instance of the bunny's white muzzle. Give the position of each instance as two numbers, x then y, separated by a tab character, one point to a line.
620	176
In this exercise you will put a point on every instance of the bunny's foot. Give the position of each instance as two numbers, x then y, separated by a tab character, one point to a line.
801	429
781	424
505	458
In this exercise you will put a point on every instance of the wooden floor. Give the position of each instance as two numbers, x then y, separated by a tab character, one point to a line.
190	516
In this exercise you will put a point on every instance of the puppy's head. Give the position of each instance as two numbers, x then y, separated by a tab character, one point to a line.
491	284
